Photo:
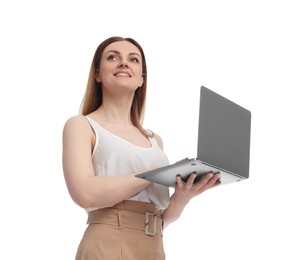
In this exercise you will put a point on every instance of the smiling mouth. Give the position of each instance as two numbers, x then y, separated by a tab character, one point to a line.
122	74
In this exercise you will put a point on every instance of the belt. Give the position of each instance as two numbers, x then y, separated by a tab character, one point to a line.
130	214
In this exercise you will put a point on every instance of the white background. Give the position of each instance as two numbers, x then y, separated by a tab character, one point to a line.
240	49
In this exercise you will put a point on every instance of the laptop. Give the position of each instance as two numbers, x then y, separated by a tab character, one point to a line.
223	144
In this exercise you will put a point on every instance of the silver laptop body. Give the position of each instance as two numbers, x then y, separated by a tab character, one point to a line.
223	144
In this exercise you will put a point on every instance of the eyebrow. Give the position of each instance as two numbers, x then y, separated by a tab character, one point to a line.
117	52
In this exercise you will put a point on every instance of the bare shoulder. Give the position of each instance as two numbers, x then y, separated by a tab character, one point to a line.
76	123
159	140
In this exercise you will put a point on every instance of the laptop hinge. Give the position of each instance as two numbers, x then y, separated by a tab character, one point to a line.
221	169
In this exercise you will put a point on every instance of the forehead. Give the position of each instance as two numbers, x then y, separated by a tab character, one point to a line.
124	47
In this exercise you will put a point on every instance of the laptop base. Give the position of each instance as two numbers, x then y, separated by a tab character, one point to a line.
166	176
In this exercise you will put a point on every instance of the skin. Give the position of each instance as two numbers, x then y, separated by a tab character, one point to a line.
120	74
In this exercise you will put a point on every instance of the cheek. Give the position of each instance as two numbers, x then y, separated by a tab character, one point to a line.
139	73
102	74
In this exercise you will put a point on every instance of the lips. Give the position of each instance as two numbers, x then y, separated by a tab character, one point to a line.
122	74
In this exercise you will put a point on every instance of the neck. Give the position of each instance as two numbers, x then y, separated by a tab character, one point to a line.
116	109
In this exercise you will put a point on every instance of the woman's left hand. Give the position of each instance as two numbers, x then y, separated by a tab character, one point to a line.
185	191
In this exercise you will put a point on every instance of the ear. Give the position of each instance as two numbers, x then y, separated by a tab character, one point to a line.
142	80
97	76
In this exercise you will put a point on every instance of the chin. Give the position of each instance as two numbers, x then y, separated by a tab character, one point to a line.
126	88
126	85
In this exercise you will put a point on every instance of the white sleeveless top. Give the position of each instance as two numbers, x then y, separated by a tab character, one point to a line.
114	156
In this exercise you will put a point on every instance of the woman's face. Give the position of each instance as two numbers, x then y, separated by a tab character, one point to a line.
121	66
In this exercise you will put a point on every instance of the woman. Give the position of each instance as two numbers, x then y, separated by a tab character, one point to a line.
103	149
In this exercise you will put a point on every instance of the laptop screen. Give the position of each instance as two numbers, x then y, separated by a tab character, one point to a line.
223	133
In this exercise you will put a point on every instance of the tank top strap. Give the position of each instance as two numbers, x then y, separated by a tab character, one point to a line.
153	141
91	123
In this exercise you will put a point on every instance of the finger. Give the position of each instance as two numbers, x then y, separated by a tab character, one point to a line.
179	181
201	185
212	182
205	179
190	180
215	181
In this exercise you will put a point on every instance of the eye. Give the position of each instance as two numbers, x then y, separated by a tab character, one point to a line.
112	58
134	59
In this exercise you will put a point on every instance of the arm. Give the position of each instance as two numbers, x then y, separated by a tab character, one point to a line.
184	192
86	189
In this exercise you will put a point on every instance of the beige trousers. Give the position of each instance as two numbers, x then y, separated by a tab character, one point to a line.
129	230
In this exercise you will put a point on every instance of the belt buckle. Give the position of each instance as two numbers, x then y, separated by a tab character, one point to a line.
148	216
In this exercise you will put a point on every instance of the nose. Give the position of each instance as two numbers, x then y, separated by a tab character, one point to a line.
123	64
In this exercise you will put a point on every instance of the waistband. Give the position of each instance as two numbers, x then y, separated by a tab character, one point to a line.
130	214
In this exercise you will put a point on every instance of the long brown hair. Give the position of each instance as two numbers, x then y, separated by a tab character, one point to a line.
93	96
